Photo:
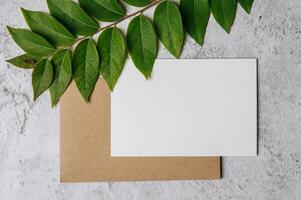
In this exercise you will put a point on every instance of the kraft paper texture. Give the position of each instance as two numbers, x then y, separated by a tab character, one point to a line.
85	147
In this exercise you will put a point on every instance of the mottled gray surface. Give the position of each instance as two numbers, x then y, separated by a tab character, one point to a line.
29	137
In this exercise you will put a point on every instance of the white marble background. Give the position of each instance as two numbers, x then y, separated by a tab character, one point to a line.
29	137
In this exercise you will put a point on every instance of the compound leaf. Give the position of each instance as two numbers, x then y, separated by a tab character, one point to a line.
142	44
41	77
30	42
224	12
112	49
48	27
24	61
73	17
85	67
62	75
195	14
103	10
168	23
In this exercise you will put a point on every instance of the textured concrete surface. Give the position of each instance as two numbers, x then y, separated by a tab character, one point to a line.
29	137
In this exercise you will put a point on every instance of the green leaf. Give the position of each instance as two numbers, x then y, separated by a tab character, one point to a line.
24	61
103	10
195	14
138	3
168	23
85	65
30	42
41	77
62	75
112	49
73	17
142	44
224	12
48	27
247	5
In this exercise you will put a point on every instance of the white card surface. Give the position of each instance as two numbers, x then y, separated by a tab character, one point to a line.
190	107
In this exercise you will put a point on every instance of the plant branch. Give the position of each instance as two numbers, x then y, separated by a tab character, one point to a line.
153	3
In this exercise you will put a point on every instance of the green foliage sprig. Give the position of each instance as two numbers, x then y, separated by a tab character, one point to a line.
49	43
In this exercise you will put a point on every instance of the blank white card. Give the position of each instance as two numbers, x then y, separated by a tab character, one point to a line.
198	107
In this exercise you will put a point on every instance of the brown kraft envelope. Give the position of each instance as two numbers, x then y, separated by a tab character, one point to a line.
85	147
